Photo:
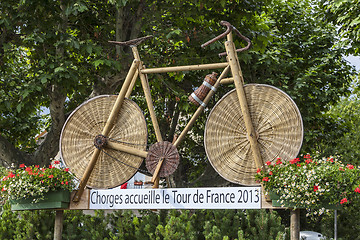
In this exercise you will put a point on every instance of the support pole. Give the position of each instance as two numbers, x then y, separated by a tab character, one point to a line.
295	224
59	219
335	224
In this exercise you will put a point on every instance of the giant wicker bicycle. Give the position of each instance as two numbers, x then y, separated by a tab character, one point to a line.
104	141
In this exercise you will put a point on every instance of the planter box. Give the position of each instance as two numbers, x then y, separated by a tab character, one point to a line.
276	203
52	200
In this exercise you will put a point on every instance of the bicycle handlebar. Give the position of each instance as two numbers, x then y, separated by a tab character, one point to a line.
228	30
133	42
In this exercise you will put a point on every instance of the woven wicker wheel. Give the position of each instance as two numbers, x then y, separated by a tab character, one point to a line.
170	155
87	121
277	122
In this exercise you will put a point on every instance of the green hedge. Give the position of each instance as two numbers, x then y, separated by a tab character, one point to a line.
164	224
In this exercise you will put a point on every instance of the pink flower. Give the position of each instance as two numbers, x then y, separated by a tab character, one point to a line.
344	200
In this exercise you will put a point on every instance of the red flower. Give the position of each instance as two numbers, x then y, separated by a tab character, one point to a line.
341	169
344	200
357	190
50	166
299	165
278	161
268	163
66	169
22	165
11	175
57	162
331	159
66	182
295	160
349	166
265	179
28	169
51	176
62	183
270	173
307	156
36	166
3	189
316	188
258	170
307	161
41	175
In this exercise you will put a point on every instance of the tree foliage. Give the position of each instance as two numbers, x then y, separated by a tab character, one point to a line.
56	55
346	15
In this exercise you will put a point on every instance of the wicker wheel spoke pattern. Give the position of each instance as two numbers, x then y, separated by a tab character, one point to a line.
277	122
168	152
85	123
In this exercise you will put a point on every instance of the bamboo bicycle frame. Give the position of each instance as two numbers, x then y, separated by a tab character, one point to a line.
137	69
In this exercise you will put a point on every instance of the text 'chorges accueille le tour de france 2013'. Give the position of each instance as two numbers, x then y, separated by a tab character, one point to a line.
177	198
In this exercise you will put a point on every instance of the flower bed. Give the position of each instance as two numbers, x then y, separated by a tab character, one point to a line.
311	183
34	182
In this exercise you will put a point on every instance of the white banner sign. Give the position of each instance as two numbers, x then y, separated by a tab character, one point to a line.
177	198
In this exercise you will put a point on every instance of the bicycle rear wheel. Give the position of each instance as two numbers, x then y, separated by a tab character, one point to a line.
276	120
86	122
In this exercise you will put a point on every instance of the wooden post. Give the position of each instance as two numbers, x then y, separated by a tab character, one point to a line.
295	224
59	219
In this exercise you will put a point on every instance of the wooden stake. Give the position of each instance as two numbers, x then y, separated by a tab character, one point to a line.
59	219
295	224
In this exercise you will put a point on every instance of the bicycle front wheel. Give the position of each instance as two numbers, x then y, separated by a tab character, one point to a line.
276	120
86	122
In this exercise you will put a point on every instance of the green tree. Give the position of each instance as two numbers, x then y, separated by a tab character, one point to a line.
345	14
56	55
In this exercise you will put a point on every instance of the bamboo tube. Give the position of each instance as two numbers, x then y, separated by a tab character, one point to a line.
199	110
238	80
106	130
146	88
157	170
126	149
120	99
185	68
227	81
132	84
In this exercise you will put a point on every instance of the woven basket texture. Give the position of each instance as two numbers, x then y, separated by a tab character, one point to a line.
168	152
85	123
203	90
277	122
